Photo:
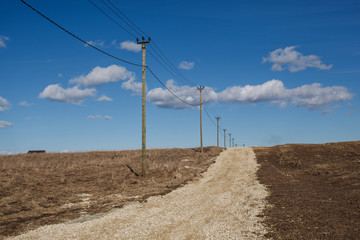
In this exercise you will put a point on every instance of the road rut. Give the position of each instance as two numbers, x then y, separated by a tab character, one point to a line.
223	204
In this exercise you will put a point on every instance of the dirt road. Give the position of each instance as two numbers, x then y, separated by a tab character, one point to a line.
223	204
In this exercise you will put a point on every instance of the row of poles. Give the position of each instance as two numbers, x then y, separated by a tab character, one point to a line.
200	88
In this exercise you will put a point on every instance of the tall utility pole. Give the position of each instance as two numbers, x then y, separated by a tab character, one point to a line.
233	142
224	138
143	163
201	138
229	139
217	119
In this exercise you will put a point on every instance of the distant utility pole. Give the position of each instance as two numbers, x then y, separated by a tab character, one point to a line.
233	142
224	138
201	136
217	119
229	139
143	163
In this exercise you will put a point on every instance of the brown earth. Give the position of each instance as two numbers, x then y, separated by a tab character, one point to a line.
314	190
49	188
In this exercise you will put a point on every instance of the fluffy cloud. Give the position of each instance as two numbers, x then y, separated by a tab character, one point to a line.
293	60
72	95
269	91
100	75
130	46
4	104
107	117
312	96
2	41
104	98
163	98
186	65
132	85
5	124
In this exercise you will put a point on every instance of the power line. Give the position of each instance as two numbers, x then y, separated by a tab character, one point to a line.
117	9
166	68
108	16
207	113
190	104
171	68
78	38
172	65
163	57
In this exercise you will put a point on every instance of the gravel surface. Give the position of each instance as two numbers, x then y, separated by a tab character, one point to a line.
223	204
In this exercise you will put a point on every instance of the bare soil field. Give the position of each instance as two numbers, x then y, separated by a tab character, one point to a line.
49	188
314	190
225	203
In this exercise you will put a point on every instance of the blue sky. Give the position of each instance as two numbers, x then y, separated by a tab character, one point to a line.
275	72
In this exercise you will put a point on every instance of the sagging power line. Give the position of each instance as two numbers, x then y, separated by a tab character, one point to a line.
157	51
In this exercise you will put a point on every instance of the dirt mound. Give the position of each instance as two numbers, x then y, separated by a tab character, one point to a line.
315	190
49	188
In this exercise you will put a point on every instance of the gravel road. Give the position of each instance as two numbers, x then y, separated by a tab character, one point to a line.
223	204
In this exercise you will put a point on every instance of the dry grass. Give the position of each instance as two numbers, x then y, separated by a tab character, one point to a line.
39	189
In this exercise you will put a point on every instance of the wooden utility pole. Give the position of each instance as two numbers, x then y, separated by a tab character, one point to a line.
143	162
229	139
224	138
217	119
201	136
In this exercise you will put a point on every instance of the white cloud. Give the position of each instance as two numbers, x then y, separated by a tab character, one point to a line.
104	98
130	46
267	92
24	104
72	95
106	117
293	60
4	104
312	96
5	124
2	41
131	84
163	98
186	65
97	43
60	75
100	75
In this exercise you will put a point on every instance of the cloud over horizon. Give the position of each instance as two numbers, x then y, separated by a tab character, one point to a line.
312	96
294	61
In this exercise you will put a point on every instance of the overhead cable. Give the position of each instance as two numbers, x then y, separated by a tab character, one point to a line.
190	104
78	38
